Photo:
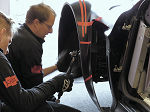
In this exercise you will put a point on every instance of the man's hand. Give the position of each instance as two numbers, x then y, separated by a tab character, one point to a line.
63	82
63	61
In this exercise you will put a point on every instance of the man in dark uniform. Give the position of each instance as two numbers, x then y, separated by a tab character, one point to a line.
14	98
25	52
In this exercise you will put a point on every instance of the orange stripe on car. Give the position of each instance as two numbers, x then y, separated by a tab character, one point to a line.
82	17
88	78
81	42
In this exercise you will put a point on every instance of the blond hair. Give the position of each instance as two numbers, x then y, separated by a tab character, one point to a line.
6	23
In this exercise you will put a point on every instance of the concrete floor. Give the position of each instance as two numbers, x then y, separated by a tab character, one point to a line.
79	97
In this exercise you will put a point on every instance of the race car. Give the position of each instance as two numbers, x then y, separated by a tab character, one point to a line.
122	57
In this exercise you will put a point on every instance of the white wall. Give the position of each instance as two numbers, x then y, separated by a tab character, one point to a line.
101	7
5	6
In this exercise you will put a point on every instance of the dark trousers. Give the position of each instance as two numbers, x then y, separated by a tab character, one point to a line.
51	106
48	106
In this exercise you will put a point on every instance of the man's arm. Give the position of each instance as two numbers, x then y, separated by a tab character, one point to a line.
63	56
49	70
25	100
18	98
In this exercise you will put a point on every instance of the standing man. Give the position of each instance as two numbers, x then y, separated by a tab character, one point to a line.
14	98
25	52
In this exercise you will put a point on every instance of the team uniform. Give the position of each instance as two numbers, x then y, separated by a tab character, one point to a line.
14	98
25	55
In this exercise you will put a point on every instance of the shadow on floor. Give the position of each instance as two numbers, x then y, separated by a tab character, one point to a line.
79	97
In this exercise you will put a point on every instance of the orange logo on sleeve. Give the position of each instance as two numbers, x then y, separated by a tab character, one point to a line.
10	81
36	69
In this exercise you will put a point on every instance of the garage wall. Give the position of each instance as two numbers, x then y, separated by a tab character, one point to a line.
5	6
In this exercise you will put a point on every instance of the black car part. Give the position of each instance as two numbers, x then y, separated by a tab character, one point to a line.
125	96
77	26
104	58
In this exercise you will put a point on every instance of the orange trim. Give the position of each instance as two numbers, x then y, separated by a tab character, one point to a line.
88	23
82	17
10	81
81	42
85	23
85	16
88	78
36	69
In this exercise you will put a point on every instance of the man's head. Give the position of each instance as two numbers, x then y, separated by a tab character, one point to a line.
5	32
40	19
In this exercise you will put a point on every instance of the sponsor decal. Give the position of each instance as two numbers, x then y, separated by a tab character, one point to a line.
36	69
10	81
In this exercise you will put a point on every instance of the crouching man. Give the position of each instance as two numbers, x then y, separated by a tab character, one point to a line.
13	97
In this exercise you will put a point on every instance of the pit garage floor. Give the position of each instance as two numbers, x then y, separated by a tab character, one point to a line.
79	97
